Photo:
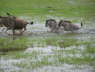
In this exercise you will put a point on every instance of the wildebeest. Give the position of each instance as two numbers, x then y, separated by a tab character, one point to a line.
69	26
13	23
52	24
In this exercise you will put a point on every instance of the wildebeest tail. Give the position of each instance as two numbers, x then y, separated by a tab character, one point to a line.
46	24
31	22
81	23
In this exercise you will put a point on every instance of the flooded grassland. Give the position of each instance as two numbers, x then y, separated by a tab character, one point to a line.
39	50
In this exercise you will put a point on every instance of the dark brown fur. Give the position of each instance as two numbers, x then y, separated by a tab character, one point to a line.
13	23
69	26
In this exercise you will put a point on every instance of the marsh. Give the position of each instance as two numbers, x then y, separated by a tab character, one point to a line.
41	51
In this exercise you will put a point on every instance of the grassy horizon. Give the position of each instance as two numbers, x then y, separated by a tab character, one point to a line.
61	8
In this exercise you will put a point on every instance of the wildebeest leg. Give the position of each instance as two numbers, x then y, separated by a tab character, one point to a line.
72	31
13	32
56	30
3	29
51	30
24	29
6	30
21	31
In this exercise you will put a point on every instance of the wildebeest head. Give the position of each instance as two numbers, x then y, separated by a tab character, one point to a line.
61	23
64	23
50	23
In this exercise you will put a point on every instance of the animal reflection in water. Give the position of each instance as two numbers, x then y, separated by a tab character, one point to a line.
13	23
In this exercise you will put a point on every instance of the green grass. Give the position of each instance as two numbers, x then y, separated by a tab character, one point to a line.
7	44
60	8
37	59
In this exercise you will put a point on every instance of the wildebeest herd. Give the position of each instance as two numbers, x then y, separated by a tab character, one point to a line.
14	23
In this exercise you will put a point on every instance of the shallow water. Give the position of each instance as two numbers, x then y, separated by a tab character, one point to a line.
65	68
11	64
48	56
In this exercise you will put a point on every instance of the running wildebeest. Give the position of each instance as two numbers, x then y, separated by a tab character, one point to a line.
52	24
13	23
20	23
69	26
